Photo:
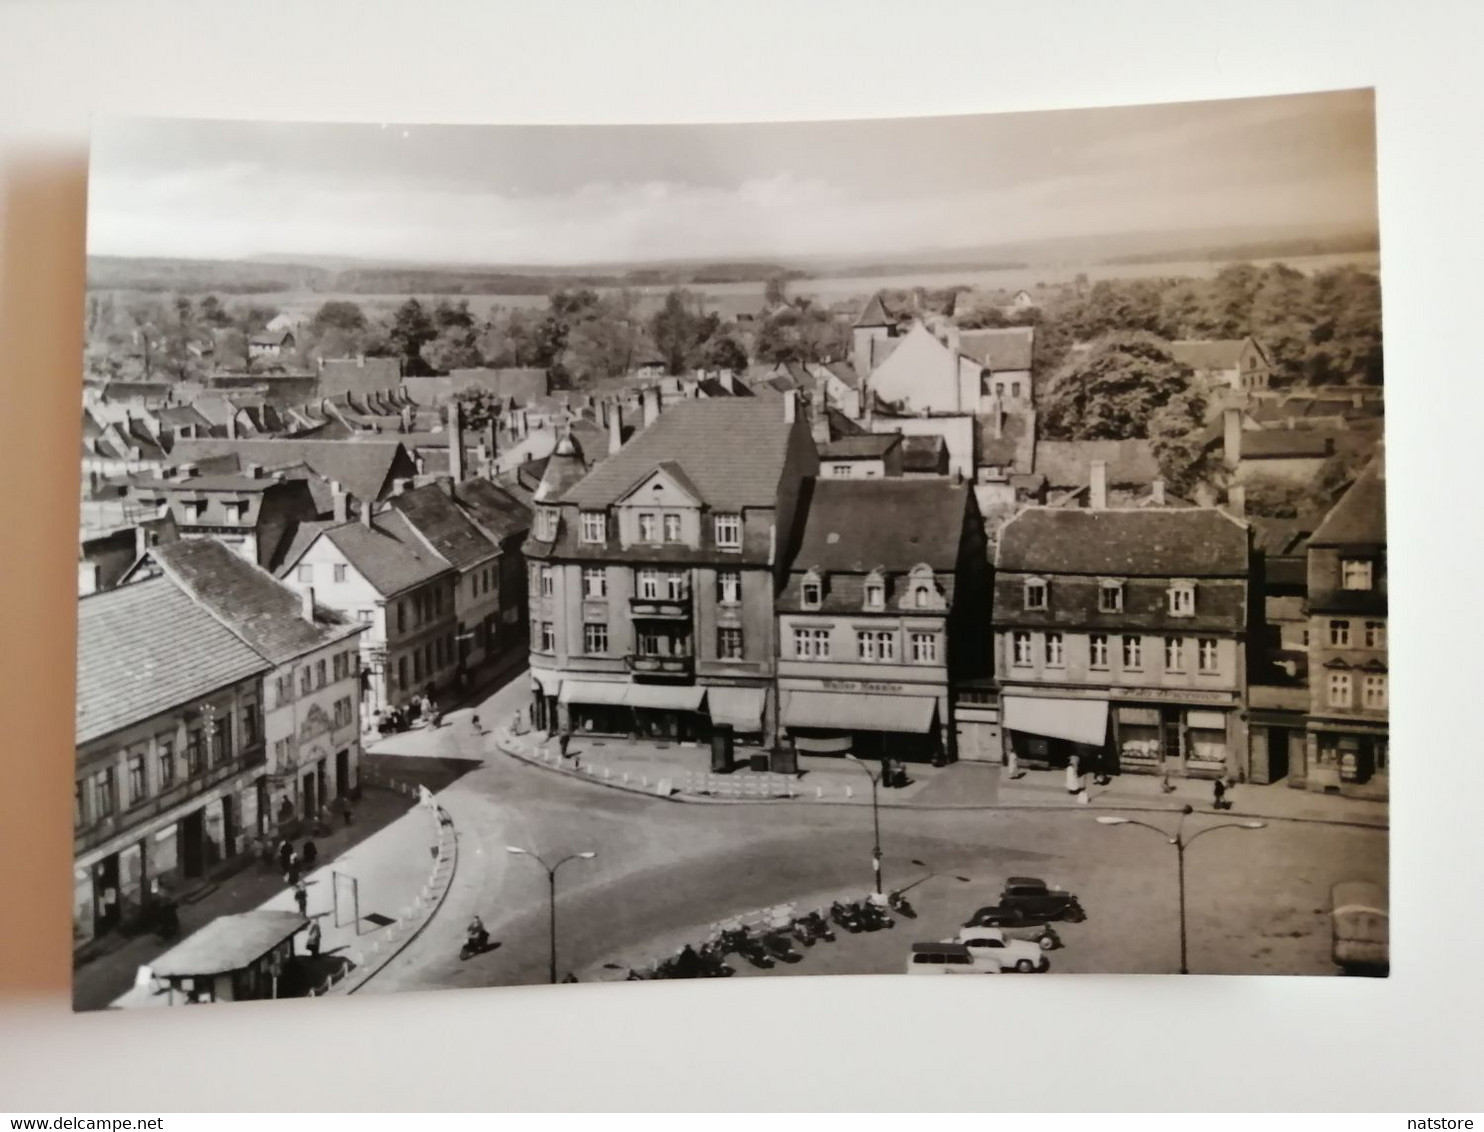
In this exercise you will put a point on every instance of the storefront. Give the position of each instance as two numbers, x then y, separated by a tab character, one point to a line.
869	726
1190	742
1349	760
663	712
1042	731
741	709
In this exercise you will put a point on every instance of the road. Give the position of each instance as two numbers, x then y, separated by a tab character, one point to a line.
1257	899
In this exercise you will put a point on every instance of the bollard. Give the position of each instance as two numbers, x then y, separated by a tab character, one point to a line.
819	793
644	781
849	793
625	778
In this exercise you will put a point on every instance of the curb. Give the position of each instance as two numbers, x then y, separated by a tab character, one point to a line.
503	744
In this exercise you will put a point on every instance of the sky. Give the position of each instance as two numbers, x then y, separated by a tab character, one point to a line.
569	195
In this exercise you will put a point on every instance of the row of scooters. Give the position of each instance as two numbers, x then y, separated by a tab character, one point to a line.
778	938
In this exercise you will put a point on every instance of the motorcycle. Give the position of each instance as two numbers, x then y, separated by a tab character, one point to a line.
847	916
739	942
475	943
819	927
873	916
712	962
899	904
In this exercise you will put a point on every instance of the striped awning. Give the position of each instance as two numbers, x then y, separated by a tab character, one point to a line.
845	711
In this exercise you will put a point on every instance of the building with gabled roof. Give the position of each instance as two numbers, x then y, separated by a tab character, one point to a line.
1232	364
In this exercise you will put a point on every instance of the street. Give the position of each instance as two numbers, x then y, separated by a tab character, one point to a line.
1257	900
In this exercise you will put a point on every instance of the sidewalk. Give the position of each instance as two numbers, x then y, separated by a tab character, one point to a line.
681	772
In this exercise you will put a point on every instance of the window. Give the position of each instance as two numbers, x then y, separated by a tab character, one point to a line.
138	785
1110	597
338	572
729	587
166	760
250	725
875	595
1356	573
401	617
1182	599
194	765
77	805
1207	660
594	526
546	524
402	672
812	643
840	470
595	638
729	643
1035	595
1375	693
548	637
305	573
729	530
1133	652
672	527
921	597
306	681
103	793
417	663
1015	389
1339	634
1339	689
337	665
594	582
1053	650
1022	644
1098	649
1375	635
647	528
649	584
283	690
875	644
1175	654
675	586
548	584
813	593
925	648
319	674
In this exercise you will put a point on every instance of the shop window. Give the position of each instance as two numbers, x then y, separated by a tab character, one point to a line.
1208	654
1206	737
1339	634
594	582
595	638
729	587
1175	654
1021	644
1110	597
1139	736
594	526
1357	574
1097	646
1340	689
1054	652
1375	635
1182	599
1133	652
728	529
1035	594
729	643
1375	693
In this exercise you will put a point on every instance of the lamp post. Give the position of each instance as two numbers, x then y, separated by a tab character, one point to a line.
875	818
1181	843
551	872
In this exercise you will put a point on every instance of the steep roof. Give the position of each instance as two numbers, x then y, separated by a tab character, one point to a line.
565	468
388	554
1068	463
1191	542
925	453
732	449
270	338
1000	348
854	526
145	648
860	446
1359	518
499	513
1203	353
845	372
883	348
263	612
446	528
363	467
877	313
1287	444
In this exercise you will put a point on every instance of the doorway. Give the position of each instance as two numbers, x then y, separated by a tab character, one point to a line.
191	835
310	794
106	894
1172	742
342	774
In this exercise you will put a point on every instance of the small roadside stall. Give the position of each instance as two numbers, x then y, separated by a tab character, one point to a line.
232	959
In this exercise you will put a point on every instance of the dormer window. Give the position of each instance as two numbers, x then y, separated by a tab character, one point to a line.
1110	596
594	526
728	529
1357	574
1182	599
921	596
922	588
875	591
546	524
812	590
1035	593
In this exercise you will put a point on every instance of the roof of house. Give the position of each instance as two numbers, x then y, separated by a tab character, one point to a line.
925	453
136	390
1359	518
388	554
498	512
861	446
877	313
883	348
845	372
263	612
855	526
1000	348
444	526
1287	444
1068	463
145	648
228	943
1014	447
1203	353
732	449
363	370
363	467
1150	542
712	387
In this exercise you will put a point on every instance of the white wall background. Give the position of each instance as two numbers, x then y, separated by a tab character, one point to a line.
1080	1042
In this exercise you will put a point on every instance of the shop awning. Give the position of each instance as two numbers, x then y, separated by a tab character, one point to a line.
592	692
549	682
1206	720
739	708
1079	721
665	697
843	711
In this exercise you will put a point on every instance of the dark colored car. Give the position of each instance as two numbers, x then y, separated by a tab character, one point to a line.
1016	924
1037	900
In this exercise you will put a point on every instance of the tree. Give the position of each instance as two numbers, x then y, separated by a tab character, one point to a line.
1111	391
477	407
338	314
1177	438
454	348
213	314
723	351
410	330
679	328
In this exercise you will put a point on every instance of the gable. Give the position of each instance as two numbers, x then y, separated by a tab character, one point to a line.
918	374
663	487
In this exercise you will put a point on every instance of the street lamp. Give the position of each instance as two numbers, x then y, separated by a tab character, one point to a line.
875	818
1181	843
551	872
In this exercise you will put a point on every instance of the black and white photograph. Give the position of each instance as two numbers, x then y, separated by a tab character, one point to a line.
515	555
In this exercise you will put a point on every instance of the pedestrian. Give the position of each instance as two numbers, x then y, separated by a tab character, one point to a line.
291	875
563	742
1074	775
311	855
474	721
311	944
345	810
1218	794
285	851
301	897
1164	784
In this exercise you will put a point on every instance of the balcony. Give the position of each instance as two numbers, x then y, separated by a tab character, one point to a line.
661	608
678	666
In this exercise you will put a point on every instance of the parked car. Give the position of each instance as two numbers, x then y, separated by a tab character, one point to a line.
1017	924
1039	900
1361	928
989	945
947	959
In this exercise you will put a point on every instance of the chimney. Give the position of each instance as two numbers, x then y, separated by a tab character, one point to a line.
790	406
186	471
1232	437
651	405
366	513
614	413
1157	492
727	379
306	608
232	424
341	502
1236	500
997	415
455	442
141	541
254	471
819	420
1099	486
421	464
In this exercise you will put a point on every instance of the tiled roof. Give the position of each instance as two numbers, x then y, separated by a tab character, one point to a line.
714	388
1217	353
270	338
145	648
223	482
845	372
263	612
364	467
500	514
1000	348
867	446
1014	447
882	348
926	453
1068	463
1359	518
877	313
857	525
1192	542
842	426
733	450
1073	603
1286	444
446	528
387	554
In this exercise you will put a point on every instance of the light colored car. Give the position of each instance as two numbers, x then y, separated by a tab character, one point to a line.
989	946
947	959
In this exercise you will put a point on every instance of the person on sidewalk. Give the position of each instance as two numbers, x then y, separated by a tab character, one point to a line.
1074	775
291	874
311	942
345	810
311	855
1218	795
301	897
285	851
